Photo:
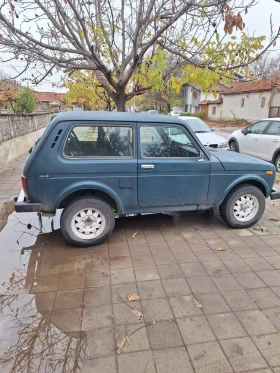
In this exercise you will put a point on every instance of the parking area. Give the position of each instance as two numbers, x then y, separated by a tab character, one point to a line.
175	293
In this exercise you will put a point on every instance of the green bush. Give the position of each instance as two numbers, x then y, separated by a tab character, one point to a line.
26	101
200	114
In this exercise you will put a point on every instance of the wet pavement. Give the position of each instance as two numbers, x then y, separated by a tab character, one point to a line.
209	296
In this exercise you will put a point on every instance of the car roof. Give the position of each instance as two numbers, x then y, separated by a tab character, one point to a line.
113	116
277	119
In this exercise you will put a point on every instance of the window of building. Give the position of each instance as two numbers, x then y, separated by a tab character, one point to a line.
100	141
166	141
242	102
214	110
263	102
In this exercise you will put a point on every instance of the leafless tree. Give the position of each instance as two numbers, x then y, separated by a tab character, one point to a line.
266	66
112	37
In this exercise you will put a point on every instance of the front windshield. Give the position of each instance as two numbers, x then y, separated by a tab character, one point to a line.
197	125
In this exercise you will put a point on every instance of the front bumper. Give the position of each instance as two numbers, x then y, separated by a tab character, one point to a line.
24	205
275	194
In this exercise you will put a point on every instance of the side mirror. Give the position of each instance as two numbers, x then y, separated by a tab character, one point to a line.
213	129
244	131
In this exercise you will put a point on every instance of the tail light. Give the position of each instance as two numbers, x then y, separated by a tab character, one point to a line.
23	183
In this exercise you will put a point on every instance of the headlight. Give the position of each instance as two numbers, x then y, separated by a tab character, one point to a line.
223	145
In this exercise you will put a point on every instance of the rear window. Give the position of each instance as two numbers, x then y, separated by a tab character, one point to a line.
100	141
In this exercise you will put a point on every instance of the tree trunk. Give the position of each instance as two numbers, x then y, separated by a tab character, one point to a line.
120	101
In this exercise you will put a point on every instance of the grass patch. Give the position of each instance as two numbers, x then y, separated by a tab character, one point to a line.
277	180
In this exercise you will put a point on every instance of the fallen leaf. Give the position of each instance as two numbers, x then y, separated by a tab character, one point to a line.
274	219
134	235
121	342
220	249
133	297
260	229
137	313
196	303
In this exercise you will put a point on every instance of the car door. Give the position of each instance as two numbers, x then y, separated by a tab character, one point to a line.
269	141
171	171
249	138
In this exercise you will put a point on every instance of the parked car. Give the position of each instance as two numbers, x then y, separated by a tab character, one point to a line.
261	140
174	113
96	165
204	133
152	112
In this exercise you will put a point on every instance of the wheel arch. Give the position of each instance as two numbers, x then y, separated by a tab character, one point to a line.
275	155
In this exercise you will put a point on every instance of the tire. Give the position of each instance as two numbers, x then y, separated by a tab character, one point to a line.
231	208
277	163
233	145
96	212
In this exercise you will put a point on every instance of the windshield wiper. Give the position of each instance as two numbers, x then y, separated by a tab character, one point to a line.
201	131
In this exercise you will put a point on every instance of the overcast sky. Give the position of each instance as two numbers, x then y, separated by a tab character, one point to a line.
257	20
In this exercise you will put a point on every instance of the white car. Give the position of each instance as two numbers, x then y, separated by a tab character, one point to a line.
261	140
174	113
204	133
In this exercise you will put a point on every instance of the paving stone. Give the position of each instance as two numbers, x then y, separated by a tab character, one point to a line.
274	261
138	339
164	258
95	279
100	342
123	313
269	346
97	296
172	360
140	362
142	260
185	256
195	330
209	357
216	267
156	310
178	246
226	325
276	290
212	303
101	365
184	307
146	273
97	317
202	284
118	250
68	320
226	282
258	264
151	289
193	269
69	299
255	322
273	315
170	271
271	278
139	249
45	284
265	251
120	262
159	247
249	280
246	252
264	298
243	354
239	300
176	287
206	255
122	276
121	292
164	334
237	266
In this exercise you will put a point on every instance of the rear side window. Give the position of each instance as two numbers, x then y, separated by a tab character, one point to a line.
100	141
274	129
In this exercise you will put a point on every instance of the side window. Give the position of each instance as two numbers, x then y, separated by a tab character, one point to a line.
259	127
165	141
263	102
100	141
214	110
242	102
274	129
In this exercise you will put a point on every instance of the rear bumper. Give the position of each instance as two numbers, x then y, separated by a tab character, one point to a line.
275	194
23	205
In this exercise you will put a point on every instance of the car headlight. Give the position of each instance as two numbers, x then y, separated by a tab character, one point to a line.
223	145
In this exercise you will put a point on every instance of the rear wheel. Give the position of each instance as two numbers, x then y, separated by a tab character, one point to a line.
277	163
87	221
233	146
243	206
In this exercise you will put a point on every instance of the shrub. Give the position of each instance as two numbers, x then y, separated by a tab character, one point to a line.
200	114
26	101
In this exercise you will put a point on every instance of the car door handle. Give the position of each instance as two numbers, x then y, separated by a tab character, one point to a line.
275	140
255	138
147	166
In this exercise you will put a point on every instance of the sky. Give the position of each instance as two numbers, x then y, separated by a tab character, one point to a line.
257	20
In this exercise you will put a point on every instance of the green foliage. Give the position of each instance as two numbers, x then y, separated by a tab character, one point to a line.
200	114
25	103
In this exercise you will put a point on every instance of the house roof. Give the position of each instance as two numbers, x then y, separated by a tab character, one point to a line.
216	87
48	96
207	102
246	87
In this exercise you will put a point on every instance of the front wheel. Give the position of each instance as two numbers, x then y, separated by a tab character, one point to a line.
243	206
87	221
233	146
277	163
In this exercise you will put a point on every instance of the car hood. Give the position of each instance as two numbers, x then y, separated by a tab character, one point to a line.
232	161
210	138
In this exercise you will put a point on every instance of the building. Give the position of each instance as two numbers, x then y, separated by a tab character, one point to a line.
251	101
49	101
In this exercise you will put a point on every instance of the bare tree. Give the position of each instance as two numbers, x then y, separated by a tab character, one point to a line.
266	66
119	39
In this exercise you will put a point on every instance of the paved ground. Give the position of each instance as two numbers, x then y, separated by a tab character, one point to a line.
65	309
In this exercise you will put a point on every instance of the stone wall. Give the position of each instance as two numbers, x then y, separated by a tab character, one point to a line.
16	125
18	133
